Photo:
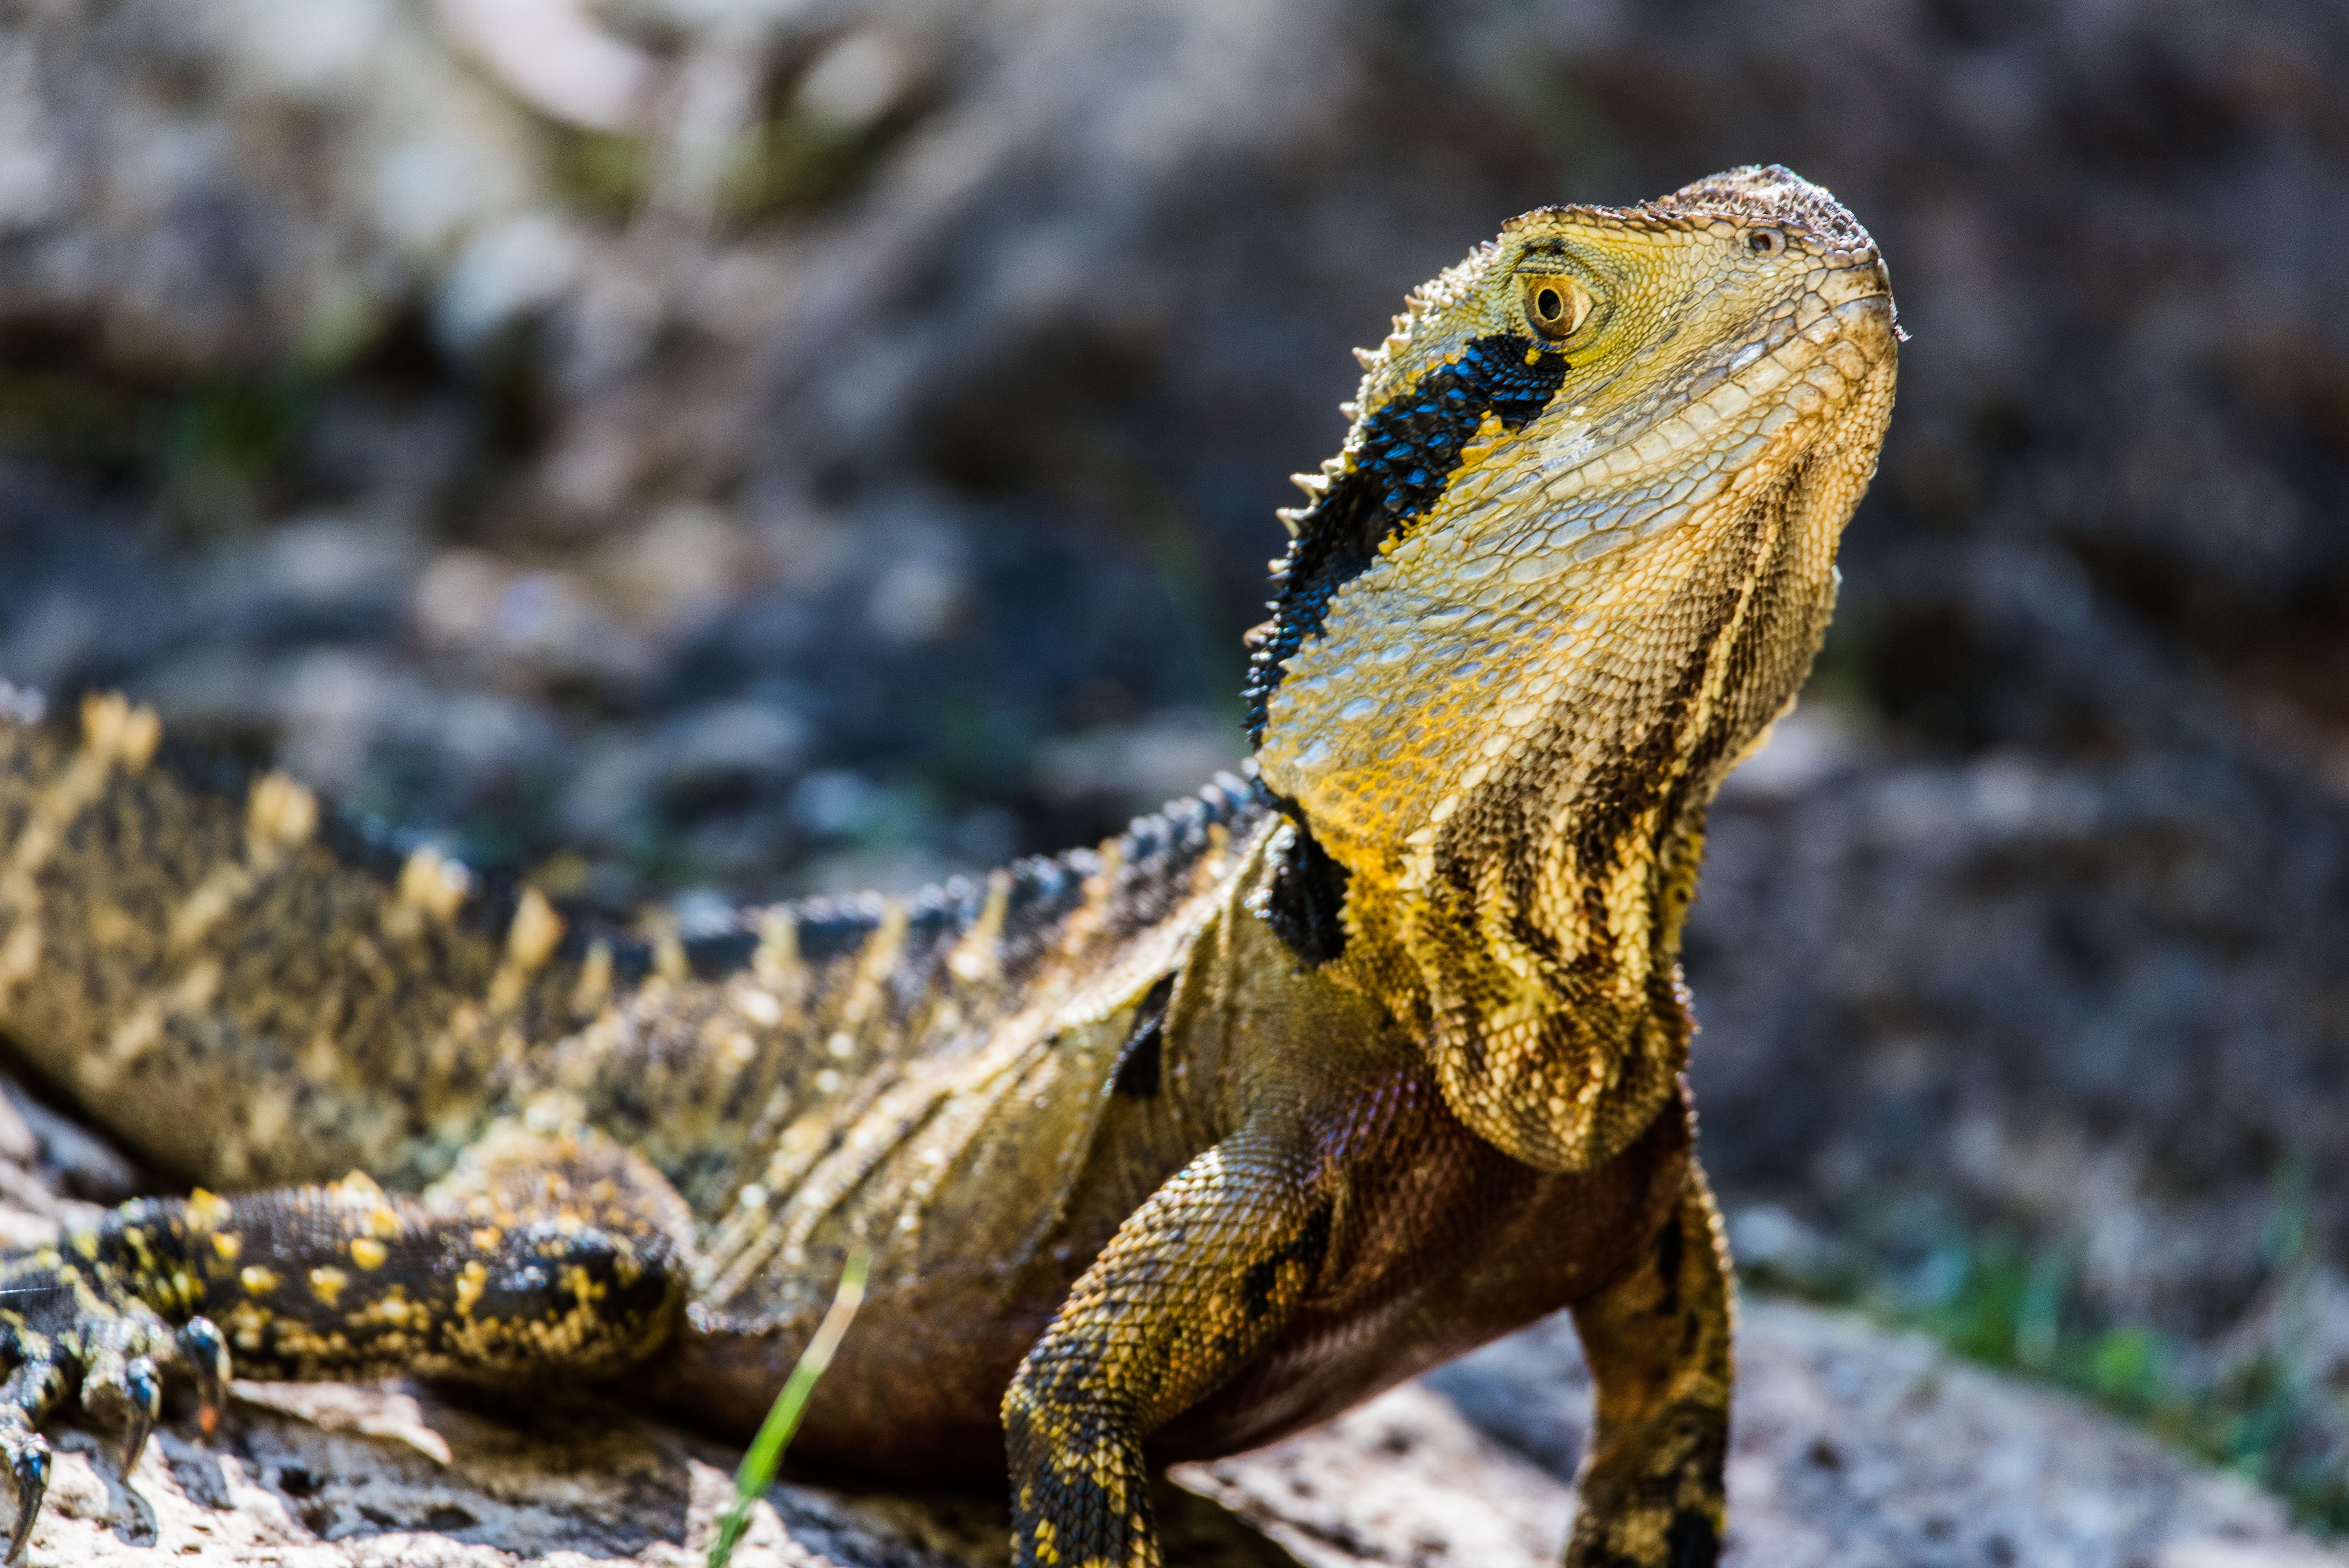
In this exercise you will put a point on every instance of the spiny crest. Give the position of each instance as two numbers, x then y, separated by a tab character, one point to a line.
1397	460
1445	289
119	732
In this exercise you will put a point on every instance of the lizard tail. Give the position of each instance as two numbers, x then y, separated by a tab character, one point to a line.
245	990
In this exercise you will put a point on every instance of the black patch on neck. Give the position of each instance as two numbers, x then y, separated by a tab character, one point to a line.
1139	1064
1307	905
1408	453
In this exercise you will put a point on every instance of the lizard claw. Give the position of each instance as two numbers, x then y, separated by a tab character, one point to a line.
35	1385
146	1392
65	1323
127	1392
204	1351
28	1467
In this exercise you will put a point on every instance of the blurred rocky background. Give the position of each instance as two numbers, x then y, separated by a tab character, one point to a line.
692	449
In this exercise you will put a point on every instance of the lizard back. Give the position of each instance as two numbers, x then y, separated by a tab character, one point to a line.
247	990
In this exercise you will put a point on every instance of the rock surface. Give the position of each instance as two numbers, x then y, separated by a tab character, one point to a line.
1854	1448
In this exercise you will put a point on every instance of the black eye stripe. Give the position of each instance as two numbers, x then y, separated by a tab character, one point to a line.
1408	452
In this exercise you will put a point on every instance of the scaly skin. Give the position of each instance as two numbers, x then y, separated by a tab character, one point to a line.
1162	1150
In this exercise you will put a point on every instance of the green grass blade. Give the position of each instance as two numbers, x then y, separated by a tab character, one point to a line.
766	1453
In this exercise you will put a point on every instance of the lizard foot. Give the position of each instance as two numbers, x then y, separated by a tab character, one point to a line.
69	1324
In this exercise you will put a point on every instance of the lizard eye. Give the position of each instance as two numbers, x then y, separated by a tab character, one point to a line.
1765	242
1555	305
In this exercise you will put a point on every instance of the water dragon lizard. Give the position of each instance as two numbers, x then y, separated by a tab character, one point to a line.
1160	1150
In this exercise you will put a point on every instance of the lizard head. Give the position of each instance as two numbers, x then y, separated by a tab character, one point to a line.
1576	555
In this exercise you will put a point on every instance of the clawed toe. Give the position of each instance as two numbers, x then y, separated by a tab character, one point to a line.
127	1394
204	1351
32	1388
28	1466
143	1391
60	1324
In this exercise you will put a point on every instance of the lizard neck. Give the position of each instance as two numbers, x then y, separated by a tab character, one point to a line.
1515	881
1576	555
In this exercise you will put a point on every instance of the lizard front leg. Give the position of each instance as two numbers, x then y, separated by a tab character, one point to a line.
540	1259
1658	1341
1196	1280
